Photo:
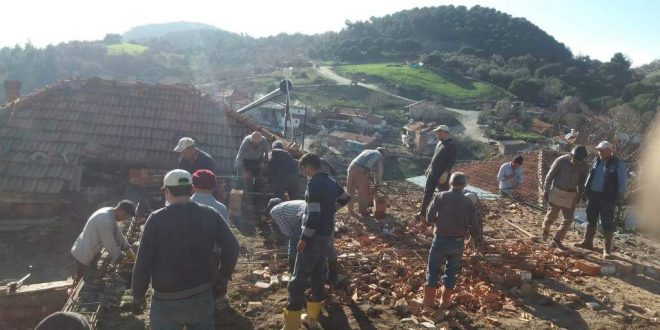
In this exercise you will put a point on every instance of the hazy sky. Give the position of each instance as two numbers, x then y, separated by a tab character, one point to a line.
589	27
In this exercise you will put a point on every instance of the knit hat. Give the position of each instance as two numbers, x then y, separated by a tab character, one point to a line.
204	179
272	203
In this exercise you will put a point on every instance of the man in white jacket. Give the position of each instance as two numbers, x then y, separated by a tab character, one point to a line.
102	231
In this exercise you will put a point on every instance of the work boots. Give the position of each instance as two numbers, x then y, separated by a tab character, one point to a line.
445	298
607	248
311	319
291	320
588	240
429	297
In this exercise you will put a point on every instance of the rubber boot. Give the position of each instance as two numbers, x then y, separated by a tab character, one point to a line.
588	240
607	248
429	297
292	265
311	319
445	298
291	320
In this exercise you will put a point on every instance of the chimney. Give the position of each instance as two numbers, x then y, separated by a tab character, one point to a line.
12	90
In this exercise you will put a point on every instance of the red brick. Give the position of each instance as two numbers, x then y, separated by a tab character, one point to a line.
588	267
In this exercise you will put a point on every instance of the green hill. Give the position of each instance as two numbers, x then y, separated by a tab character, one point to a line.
126	48
160	30
427	83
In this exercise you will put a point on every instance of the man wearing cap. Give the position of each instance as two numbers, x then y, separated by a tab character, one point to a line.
437	174
175	257
605	187
455	217
193	158
283	172
102	231
510	176
368	161
204	183
563	183
251	156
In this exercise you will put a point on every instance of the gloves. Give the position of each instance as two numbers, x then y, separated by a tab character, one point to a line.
220	287
137	306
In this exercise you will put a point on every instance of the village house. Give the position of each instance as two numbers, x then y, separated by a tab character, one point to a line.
350	141
82	133
234	99
272	114
419	136
511	146
543	128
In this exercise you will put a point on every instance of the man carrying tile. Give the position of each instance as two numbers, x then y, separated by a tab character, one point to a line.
251	157
367	162
455	217
563	184
437	174
193	158
175	257
510	176
323	197
102	231
605	188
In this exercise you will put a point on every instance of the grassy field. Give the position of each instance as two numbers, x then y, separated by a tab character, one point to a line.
425	81
126	48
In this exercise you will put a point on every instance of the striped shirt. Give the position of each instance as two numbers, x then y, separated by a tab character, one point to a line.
372	160
288	214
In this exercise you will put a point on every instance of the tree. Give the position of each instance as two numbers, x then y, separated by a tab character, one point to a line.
112	39
527	89
644	102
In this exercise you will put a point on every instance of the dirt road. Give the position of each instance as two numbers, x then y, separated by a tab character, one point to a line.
469	120
327	72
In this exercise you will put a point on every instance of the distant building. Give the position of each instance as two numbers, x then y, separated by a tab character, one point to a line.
512	146
543	128
234	98
361	117
419	136
350	141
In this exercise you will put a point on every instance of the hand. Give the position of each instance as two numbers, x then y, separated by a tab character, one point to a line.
301	246
220	287
130	255
137	306
546	195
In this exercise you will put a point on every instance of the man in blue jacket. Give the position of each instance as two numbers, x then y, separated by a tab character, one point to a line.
323	197
175	256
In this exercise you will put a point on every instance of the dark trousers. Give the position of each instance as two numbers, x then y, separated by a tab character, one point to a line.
80	271
429	190
310	270
599	205
289	184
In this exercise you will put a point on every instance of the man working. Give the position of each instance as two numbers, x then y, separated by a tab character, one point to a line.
455	217
102	231
510	175
193	158
175	256
437	174
605	187
323	196
204	183
251	156
563	183
283	172
368	161
286	219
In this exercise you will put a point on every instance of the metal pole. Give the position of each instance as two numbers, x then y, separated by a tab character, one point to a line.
303	132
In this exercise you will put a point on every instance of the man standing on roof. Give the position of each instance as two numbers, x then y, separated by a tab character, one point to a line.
368	161
563	183
193	158
204	183
283	172
175	256
455	217
252	154
510	175
605	188
323	197
437	174
102	231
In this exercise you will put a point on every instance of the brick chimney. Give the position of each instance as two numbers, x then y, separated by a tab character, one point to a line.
12	90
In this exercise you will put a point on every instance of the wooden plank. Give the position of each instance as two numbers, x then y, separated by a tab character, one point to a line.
38	287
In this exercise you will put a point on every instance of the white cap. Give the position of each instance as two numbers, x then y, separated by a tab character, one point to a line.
605	145
442	128
184	143
175	178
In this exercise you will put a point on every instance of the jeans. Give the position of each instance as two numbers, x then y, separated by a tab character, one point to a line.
288	183
295	238
195	313
597	205
446	250
310	270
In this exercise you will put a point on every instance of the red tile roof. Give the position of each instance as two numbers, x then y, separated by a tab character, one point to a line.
46	134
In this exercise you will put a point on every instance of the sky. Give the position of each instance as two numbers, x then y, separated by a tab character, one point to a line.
588	27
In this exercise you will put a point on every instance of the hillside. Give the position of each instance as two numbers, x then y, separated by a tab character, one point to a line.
422	83
159	30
